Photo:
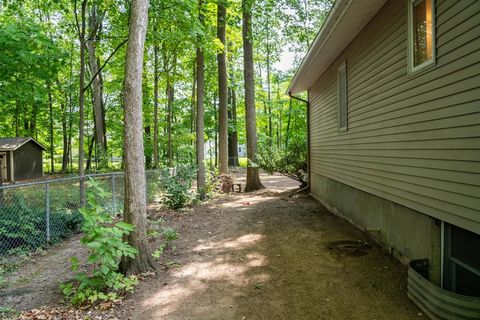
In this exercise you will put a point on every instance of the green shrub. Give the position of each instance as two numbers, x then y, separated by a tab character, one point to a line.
23	227
104	240
290	162
176	190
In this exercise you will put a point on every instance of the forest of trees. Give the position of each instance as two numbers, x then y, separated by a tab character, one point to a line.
212	73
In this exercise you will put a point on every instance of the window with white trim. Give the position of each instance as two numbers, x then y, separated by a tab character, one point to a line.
421	34
342	97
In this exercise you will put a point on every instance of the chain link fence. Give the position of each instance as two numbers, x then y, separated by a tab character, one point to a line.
34	215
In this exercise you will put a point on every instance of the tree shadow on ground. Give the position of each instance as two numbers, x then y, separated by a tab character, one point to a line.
266	256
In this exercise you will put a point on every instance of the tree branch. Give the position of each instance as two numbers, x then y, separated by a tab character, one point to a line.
104	64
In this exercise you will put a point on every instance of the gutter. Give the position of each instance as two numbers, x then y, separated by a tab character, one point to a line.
307	103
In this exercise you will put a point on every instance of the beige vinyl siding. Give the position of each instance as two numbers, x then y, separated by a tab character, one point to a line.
412	138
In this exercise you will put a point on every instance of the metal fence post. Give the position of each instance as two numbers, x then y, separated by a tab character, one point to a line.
113	194
47	211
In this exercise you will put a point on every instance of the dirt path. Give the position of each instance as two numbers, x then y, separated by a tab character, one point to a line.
253	256
266	256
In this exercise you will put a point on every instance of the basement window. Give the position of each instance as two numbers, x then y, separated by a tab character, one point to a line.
342	97
421	34
461	261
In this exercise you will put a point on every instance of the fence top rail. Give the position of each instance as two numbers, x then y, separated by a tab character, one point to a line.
63	179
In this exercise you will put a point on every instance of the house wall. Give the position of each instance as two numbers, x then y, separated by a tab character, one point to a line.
412	150
28	162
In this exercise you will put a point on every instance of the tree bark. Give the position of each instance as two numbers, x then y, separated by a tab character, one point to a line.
65	155
50	112
94	26
253	176
156	161
222	90
200	123
81	105
170	97
135	185
233	135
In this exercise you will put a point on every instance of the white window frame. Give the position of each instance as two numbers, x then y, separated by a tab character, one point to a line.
341	68
410	47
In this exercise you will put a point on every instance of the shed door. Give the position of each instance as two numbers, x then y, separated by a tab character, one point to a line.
3	165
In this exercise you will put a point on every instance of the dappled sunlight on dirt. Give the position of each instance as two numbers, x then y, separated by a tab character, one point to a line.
194	278
239	243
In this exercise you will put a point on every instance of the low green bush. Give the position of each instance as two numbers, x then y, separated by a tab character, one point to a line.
104	239
175	191
290	161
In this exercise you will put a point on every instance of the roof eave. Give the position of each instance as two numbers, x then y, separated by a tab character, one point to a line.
346	19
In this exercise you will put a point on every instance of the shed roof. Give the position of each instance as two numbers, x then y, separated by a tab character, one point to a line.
12	144
345	20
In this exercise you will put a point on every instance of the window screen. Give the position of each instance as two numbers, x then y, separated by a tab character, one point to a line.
342	97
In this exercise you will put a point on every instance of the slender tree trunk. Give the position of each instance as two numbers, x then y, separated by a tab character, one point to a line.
135	184
253	175
156	162
91	143
269	90
216	130
200	127
50	112
193	116
94	25
222	90
81	106
170	98
17	113
64	138
233	135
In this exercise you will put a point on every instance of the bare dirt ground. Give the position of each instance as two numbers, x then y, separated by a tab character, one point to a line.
262	255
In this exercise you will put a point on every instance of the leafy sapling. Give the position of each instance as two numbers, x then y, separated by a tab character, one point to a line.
104	240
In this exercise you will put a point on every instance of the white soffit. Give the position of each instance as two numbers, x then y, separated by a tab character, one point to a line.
345	20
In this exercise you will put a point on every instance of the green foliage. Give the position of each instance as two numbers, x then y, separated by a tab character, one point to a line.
176	190
7	313
169	235
23	226
104	239
290	162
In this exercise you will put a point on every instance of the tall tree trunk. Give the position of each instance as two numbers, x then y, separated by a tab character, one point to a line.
170	97
17	113
94	26
200	127
222	90
81	105
148	139
269	90
216	131
233	135
193	116
156	161
91	143
135	184
253	175
64	138
50	112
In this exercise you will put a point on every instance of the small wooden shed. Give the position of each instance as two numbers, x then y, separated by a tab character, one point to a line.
20	158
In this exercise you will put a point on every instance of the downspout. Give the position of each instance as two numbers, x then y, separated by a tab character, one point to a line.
307	103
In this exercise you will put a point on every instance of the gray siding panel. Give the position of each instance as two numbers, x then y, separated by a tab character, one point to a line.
413	138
